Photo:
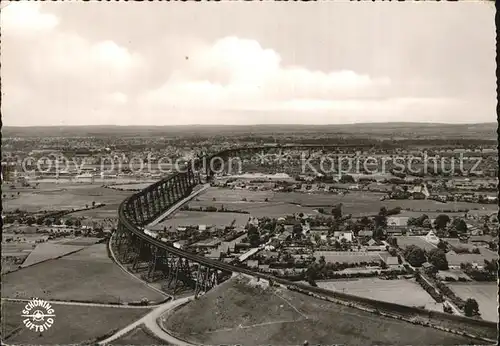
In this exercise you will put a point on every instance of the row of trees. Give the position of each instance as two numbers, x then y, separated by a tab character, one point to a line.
417	256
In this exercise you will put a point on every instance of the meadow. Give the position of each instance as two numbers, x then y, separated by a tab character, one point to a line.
65	196
404	292
186	218
405	241
72	324
87	275
486	295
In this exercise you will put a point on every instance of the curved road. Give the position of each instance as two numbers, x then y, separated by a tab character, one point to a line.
150	321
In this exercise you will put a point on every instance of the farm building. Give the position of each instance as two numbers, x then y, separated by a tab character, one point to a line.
365	233
348	236
392	261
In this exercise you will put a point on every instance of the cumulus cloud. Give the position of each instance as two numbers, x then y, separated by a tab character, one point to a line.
56	74
25	18
240	74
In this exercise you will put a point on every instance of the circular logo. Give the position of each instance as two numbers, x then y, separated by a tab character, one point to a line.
38	315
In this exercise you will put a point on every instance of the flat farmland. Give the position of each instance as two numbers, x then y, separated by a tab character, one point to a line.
431	205
185	218
357	203
72	323
106	212
349	257
404	292
87	275
258	209
405	241
47	251
133	186
486	295
64	197
12	249
224	195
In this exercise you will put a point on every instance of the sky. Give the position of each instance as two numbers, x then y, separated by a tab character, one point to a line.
157	63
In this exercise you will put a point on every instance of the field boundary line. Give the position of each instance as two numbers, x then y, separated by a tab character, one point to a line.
250	326
48	259
291	305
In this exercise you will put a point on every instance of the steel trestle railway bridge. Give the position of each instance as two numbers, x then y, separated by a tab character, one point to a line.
157	258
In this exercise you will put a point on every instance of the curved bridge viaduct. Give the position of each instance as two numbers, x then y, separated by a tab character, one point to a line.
159	260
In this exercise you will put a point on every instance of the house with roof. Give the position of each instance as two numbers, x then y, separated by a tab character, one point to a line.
339	235
365	233
432	238
392	261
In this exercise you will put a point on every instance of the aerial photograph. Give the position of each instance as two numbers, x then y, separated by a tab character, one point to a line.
249	173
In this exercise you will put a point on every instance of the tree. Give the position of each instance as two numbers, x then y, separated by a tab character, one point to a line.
297	230
393	241
441	221
427	223
414	255
411	221
381	218
48	222
317	238
69	222
437	258
459	225
442	245
471	307
378	233
93	203
337	211
253	236
9	219
30	221
346	178
311	274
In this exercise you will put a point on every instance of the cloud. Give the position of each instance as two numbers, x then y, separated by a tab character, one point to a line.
59	69
117	98
24	18
58	74
239	74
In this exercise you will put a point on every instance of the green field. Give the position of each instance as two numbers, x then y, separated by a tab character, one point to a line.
186	218
64	197
486	295
349	257
87	275
404	292
72	324
405	241
357	203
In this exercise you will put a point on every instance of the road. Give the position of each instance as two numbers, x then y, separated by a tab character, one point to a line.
150	321
455	309
177	206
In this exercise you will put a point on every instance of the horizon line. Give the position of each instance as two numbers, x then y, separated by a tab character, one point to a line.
259	124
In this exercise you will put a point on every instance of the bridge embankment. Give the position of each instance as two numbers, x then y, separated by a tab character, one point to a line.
485	330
